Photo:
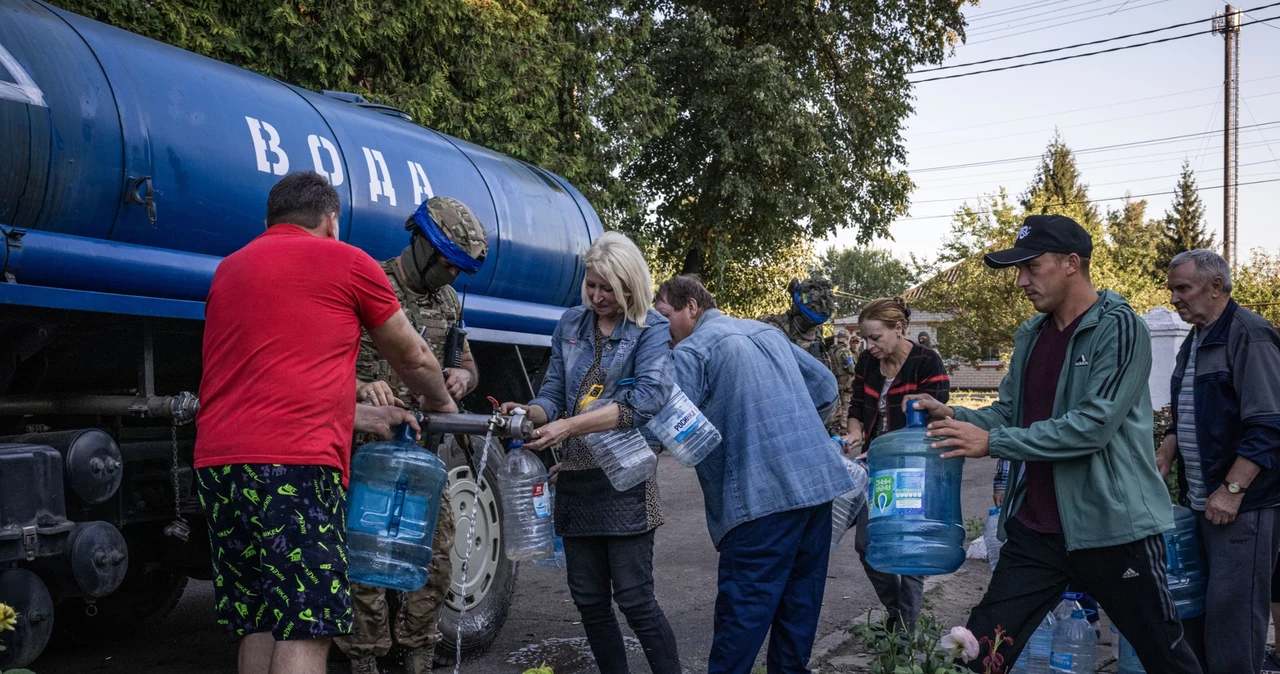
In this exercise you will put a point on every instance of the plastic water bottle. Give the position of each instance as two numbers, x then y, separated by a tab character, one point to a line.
1127	660
915	523
1183	566
624	455
1070	603
392	509
556	559
991	535
526	505
1075	645
1035	655
684	430
845	507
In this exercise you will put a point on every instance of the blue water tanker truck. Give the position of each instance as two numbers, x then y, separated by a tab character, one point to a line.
128	170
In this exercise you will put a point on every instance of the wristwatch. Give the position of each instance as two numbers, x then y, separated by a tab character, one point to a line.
1235	488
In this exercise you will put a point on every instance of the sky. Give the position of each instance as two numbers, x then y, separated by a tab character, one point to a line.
1150	92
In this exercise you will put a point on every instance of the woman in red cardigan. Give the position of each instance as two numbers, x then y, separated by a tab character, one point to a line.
890	367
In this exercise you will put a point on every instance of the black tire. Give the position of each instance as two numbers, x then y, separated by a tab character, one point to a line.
486	616
149	593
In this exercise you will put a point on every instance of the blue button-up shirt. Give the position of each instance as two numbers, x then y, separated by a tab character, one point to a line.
769	400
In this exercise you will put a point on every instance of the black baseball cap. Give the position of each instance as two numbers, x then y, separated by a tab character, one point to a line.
1042	234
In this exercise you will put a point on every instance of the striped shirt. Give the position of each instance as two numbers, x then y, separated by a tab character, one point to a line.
1187	445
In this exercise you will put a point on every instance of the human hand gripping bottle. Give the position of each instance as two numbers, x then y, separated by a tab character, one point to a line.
527	527
392	510
914	525
623	455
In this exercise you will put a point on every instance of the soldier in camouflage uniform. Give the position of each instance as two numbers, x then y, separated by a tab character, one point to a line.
843	361
447	239
812	303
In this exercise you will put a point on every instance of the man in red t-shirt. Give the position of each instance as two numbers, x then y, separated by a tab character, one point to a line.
282	329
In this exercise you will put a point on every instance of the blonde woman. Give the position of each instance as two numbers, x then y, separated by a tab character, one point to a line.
614	346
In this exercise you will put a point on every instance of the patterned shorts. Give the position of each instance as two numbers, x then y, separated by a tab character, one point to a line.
279	558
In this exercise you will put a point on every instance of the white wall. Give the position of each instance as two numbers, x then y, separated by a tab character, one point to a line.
1167	333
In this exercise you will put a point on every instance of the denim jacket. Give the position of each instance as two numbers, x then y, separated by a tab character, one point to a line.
637	360
769	400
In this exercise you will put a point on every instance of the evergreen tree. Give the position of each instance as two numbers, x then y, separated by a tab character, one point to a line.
1184	221
1057	189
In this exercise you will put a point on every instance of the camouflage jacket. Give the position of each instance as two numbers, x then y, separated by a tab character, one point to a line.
430	315
838	359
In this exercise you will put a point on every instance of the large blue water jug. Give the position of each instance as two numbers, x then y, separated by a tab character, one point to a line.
915	526
392	508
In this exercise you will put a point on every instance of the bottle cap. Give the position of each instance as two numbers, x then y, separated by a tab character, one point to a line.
1072	596
405	433
915	417
515	444
1082	613
994	511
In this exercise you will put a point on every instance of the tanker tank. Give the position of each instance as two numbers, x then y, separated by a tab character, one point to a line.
130	168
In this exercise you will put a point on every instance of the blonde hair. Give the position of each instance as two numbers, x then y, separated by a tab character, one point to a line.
620	262
892	311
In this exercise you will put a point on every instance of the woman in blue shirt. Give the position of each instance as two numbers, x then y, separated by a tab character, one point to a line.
613	347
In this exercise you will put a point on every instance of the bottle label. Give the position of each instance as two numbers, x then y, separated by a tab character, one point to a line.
541	504
897	491
686	418
1060	661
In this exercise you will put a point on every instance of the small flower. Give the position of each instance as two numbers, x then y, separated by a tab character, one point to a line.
960	641
8	618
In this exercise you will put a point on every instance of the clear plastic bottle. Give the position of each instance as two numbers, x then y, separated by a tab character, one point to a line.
1035	655
392	509
556	559
914	525
624	455
991	536
1069	604
1075	645
845	507
684	430
526	506
1183	566
1127	659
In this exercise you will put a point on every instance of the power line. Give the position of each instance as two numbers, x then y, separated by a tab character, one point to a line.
986	16
1095	12
1093	201
1217	88
1056	25
1035	18
1076	56
1087	150
1262	22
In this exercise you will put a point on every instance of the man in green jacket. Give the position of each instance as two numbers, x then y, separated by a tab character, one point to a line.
1085	504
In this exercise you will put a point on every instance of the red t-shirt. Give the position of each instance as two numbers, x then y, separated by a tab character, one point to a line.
282	328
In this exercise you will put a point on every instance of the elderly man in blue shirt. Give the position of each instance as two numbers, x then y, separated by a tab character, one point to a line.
768	487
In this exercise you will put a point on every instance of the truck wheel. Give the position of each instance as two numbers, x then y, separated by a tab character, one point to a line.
150	591
491	577
25	593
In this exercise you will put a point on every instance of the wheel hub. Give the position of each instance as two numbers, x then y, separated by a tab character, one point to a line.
487	541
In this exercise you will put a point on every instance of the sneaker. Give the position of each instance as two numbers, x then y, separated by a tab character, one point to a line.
368	665
1271	664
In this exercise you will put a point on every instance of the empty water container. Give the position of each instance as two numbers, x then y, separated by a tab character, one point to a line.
1035	655
684	430
392	509
1183	566
991	536
915	525
526	505
1075	645
845	508
624	455
1069	604
1127	658
556	559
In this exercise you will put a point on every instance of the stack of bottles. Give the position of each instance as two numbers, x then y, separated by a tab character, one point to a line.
527	528
845	508
1185	572
914	525
624	455
684	430
392	509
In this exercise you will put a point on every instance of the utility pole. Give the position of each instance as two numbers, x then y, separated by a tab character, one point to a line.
1228	23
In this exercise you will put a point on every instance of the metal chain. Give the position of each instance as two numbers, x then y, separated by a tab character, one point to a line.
177	498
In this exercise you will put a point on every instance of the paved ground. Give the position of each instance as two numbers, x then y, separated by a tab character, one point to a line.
541	625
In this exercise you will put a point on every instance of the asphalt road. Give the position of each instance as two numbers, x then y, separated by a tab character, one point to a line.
542	623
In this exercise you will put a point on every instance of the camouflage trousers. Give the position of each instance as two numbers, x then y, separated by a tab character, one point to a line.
415	623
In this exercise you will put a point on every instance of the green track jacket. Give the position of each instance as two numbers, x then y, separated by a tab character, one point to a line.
1100	438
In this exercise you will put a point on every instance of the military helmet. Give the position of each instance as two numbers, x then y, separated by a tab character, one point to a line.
453	230
814	297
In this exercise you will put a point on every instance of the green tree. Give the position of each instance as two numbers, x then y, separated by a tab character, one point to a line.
1057	189
1128	227
1257	285
866	273
788	123
1184	221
